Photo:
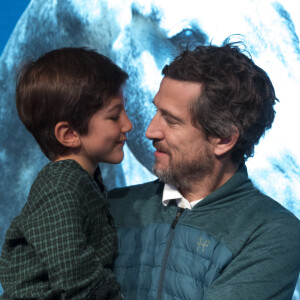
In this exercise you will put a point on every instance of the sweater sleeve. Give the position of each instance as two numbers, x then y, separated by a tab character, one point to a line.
266	268
57	233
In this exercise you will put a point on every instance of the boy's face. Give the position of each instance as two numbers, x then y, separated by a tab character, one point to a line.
107	133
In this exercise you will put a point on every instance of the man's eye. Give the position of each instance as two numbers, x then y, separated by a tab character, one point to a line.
170	121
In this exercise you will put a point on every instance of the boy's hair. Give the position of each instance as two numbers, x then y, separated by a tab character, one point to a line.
235	93
68	84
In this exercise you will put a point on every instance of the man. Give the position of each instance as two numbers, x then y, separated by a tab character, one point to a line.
203	231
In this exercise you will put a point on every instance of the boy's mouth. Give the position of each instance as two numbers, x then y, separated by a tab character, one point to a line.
122	142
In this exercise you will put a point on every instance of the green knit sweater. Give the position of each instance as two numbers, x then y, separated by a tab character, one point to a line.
63	243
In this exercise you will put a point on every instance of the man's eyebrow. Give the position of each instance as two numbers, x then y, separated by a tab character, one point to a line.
168	114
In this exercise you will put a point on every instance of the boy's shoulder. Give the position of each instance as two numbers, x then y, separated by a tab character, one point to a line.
65	176
62	184
63	172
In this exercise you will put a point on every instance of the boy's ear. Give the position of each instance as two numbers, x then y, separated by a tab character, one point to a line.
225	145
66	135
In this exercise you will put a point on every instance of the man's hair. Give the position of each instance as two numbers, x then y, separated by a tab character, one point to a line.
235	93
68	84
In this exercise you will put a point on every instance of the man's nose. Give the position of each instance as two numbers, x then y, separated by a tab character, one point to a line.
154	130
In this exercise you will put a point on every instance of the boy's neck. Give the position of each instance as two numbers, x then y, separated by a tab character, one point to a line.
82	161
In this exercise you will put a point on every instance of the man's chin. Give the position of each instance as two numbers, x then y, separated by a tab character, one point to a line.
157	170
162	174
170	177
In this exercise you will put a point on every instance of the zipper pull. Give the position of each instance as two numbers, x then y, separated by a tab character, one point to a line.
179	213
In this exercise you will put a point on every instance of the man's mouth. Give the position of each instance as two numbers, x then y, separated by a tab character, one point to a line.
160	150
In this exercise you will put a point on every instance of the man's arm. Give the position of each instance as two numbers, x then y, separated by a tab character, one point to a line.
266	268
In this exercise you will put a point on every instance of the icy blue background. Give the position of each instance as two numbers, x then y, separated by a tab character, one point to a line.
142	36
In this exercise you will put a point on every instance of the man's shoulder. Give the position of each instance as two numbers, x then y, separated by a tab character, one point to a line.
135	205
144	190
269	208
264	216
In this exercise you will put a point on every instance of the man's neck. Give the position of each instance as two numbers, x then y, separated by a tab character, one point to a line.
199	189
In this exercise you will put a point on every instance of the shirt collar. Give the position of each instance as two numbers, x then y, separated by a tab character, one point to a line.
170	192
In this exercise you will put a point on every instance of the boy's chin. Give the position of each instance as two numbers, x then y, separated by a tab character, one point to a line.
115	160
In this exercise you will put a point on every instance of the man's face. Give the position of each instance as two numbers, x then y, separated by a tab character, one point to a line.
183	153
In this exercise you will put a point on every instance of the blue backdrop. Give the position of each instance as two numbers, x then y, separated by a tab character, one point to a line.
142	36
10	12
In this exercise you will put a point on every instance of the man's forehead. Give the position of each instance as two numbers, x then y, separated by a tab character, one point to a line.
173	87
176	96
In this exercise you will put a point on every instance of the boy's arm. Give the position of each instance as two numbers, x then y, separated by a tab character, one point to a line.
56	232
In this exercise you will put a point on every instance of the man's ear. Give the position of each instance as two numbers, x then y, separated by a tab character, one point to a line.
66	135
225	145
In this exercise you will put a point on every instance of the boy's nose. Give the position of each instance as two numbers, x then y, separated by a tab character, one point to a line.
127	124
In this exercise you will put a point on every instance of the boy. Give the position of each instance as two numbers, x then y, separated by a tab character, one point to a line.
63	243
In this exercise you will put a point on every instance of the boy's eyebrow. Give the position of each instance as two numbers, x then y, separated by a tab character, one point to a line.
116	107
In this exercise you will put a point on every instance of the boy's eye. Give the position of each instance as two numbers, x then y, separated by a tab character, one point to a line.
115	118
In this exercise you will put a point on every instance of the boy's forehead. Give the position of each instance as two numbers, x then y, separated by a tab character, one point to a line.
114	102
